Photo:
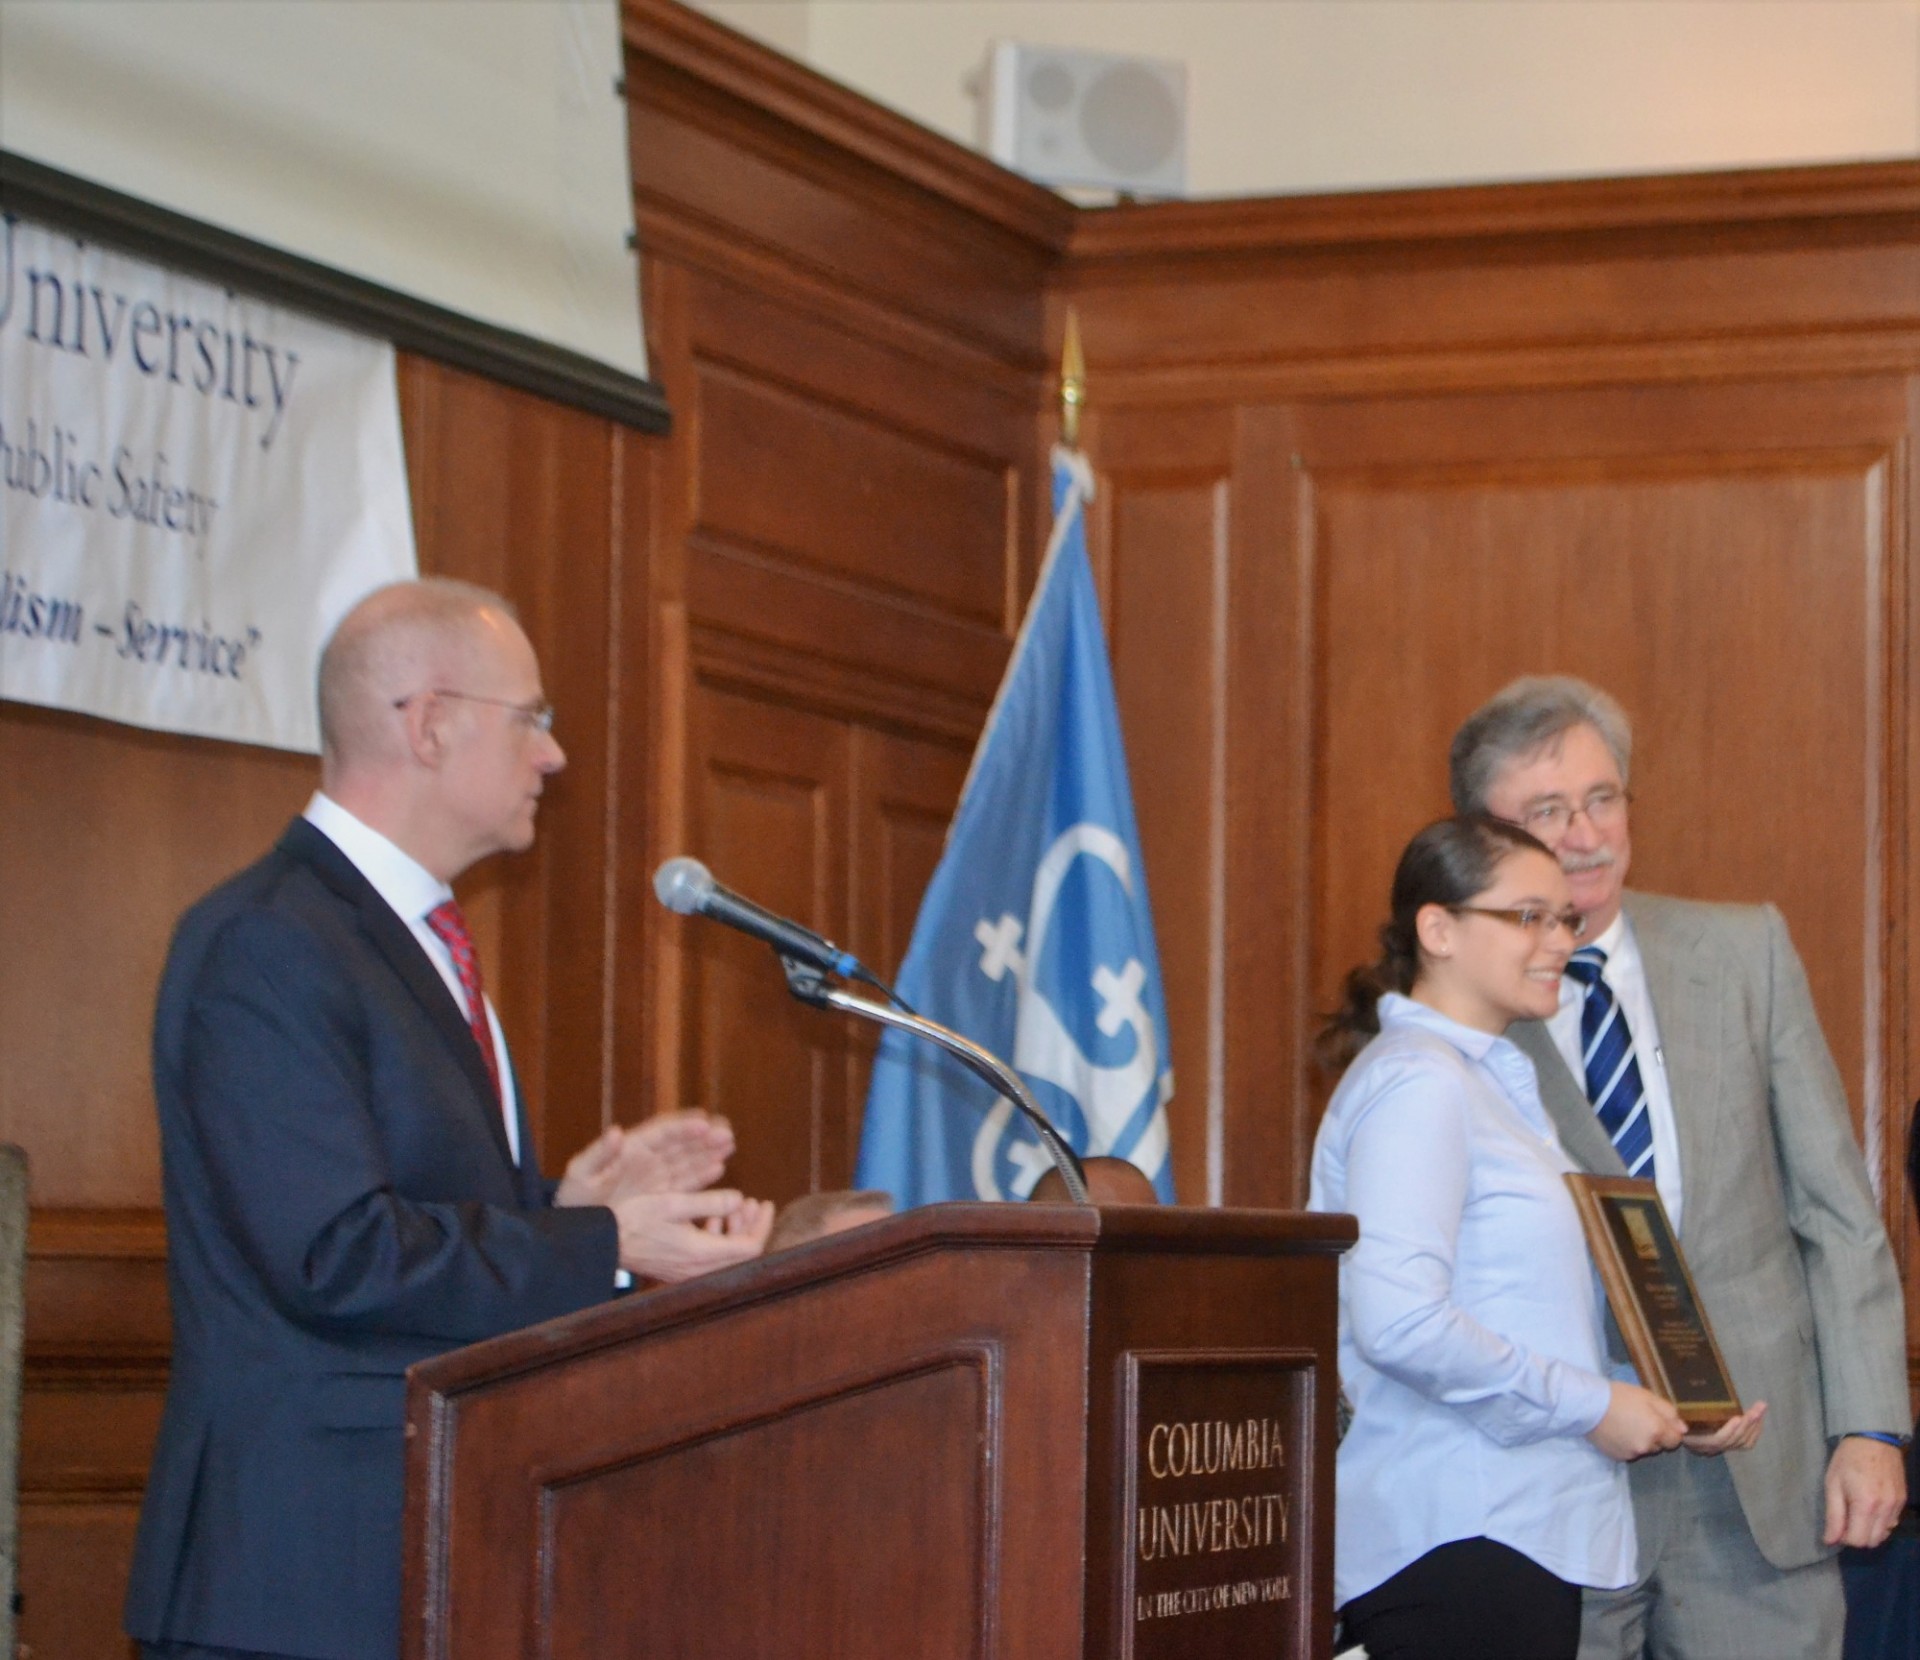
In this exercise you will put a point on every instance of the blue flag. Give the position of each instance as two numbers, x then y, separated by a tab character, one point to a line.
1034	938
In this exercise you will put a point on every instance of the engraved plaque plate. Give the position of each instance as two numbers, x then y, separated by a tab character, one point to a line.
1217	1483
1653	1299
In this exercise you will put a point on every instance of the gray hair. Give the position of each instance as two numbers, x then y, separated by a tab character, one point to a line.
1522	719
815	1215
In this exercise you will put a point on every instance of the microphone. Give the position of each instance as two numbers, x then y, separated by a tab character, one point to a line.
687	886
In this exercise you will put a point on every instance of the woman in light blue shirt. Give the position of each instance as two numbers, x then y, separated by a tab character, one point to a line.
1481	1483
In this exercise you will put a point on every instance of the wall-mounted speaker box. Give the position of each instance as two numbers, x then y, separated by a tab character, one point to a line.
1090	119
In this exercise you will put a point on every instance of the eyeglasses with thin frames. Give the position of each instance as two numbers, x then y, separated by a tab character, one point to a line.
1603	807
537	714
1535	919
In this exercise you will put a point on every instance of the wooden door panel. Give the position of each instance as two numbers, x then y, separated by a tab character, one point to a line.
769	797
905	790
1164	547
805	481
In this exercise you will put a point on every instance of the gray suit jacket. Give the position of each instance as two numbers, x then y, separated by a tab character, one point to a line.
1779	1224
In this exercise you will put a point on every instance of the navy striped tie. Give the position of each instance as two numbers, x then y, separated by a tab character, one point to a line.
1613	1075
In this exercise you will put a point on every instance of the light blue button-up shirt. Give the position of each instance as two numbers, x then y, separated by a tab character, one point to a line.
1471	1343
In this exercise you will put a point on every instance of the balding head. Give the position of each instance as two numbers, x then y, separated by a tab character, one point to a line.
434	728
402	639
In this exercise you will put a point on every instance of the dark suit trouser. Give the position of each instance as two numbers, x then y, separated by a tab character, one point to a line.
193	1651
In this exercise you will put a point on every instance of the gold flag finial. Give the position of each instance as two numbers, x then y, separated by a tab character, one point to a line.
1073	381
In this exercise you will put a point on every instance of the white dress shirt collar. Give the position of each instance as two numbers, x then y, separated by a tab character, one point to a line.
400	879
1614	938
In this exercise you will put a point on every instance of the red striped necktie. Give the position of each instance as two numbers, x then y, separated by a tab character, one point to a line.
446	920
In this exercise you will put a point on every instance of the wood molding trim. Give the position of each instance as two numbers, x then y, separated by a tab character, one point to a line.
695	66
64	1235
748	165
1263	378
96	1300
670	235
847	690
1869	199
97	1370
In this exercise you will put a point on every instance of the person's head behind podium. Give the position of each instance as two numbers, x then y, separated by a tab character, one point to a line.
1110	1181
434	729
815	1215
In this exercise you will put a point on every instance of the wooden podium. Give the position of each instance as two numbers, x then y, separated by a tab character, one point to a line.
1022	1431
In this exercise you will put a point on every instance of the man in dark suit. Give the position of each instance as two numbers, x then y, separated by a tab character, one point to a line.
1687	1051
349	1173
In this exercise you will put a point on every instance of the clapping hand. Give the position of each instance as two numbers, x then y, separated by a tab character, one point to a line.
748	1227
672	1152
654	1177
676	1236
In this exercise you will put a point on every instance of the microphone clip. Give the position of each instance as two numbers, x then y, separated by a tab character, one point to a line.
807	982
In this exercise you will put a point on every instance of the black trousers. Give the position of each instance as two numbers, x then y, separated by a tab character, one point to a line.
193	1651
1470	1600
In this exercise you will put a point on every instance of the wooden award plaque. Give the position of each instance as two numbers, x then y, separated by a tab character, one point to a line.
1653	1297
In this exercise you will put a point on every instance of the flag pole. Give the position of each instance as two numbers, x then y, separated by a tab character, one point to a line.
1073	382
1073	396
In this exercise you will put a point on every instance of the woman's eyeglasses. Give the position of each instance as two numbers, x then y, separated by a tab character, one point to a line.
1537	920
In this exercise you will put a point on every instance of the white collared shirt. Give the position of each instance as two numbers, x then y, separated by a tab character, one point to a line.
1471	1342
1626	973
414	891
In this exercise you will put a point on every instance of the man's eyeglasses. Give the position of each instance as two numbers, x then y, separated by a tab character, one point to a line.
1553	816
537	714
1536	920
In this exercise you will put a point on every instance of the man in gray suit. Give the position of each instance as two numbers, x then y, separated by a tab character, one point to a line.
1687	1049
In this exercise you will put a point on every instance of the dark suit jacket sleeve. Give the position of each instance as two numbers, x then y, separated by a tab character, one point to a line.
1858	1314
296	1101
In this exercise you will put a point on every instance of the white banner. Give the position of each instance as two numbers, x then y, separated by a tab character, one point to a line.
194	488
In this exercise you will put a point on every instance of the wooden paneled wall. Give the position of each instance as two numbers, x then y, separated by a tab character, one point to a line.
1361	460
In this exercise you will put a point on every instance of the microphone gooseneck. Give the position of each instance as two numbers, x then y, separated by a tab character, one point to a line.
686	887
